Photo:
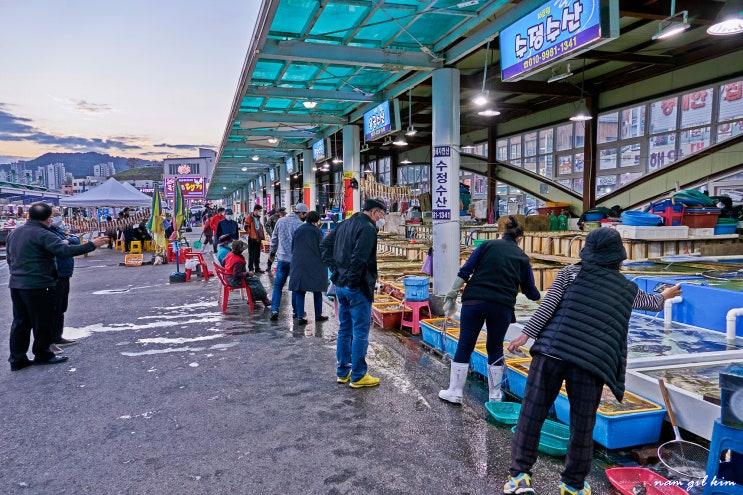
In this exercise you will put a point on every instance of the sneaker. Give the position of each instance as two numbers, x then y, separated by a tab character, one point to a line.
569	490
301	321
65	342
366	381
520	484
274	315
322	318
56	349
344	379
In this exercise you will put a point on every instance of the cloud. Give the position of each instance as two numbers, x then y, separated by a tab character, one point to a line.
85	106
182	146
14	128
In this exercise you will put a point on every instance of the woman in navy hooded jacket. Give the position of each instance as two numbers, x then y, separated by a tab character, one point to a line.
581	337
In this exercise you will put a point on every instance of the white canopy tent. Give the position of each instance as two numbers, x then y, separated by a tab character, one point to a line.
111	194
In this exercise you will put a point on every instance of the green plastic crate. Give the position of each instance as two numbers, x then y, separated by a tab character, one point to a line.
553	439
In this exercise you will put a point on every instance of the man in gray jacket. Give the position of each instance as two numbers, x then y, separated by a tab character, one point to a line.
281	248
31	252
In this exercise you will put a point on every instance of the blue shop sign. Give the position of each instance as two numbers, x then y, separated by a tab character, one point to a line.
289	165
557	30
318	151
377	121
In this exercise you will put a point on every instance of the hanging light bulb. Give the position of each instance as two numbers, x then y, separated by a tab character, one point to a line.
489	112
729	20
405	160
581	114
255	158
244	169
400	141
273	140
310	104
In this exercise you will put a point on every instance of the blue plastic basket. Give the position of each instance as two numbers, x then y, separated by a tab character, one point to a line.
479	362
416	288
553	438
641	219
431	335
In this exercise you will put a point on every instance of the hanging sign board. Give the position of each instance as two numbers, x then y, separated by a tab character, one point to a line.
557	30
382	120
318	151
289	165
440	183
271	174
193	187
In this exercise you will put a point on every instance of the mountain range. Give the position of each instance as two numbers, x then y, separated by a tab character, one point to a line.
81	164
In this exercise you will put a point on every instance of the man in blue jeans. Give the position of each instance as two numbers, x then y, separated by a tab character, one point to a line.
351	253
281	249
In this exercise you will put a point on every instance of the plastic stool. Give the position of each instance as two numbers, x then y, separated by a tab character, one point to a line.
723	438
148	246
416	307
135	247
119	244
204	270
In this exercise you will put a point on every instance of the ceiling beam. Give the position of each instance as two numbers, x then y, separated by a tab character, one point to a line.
307	94
699	12
388	59
629	57
292	118
273	133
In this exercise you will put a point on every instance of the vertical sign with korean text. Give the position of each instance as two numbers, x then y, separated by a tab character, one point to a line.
554	31
441	208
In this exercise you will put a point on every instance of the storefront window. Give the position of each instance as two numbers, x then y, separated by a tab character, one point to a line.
633	122
662	151
578	163
729	130
607	128
530	164
578	185
501	152
607	158
545	166
693	141
514	147
605	184
565	137
626	178
696	108
663	115
546	137
630	156
731	101
565	164
530	144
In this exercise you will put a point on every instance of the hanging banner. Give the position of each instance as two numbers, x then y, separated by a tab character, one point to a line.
193	187
441	208
553	32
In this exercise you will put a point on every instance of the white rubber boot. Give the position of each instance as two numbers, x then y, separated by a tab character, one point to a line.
495	378
457	379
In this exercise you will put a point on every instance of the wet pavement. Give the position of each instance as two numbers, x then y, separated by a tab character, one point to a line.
164	394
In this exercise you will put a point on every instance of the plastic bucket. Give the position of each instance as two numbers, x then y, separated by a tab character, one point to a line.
416	288
477	242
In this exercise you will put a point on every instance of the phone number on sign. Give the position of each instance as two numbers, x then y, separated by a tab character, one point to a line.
551	52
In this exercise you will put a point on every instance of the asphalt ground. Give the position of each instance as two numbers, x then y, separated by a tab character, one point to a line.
164	394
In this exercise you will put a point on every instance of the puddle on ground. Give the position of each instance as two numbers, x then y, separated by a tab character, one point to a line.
81	332
179	349
182	340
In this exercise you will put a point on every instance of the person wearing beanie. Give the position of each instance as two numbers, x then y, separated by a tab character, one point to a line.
580	331
494	272
237	272
281	249
228	226
213	222
223	247
350	251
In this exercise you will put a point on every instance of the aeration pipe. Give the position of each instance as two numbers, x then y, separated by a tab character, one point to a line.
667	310
732	315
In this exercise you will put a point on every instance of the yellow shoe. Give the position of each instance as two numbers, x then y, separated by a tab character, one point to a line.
366	381
344	379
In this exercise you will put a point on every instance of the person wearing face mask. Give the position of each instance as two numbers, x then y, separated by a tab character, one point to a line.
213	222
65	267
31	250
307	272
255	230
281	249
228	226
350	250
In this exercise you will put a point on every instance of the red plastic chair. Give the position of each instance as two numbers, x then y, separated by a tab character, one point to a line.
227	288
204	269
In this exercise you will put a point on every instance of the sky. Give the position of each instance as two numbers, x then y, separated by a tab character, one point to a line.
136	78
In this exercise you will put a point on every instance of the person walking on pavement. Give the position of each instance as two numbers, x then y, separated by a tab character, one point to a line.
307	272
65	267
271	222
252	224
581	337
350	250
31	250
228	226
281	249
213	222
494	272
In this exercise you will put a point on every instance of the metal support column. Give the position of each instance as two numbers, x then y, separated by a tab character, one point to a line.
351	169
286	187
445	181
309	181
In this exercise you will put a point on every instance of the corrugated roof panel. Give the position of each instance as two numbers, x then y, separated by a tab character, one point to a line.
299	72
381	28
276	104
267	70
291	16
336	18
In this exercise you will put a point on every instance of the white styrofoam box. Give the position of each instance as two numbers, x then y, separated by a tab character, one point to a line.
708	232
633	232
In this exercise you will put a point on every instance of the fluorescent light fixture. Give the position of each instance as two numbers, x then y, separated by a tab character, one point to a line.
400	141
364	148
309	104
255	158
224	187
387	141
337	160
288	178
490	112
244	169
412	131
582	114
558	76
405	160
273	140
314	169
729	20
667	27
481	99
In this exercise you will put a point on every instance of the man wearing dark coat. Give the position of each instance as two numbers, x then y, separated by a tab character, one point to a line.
31	250
308	273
